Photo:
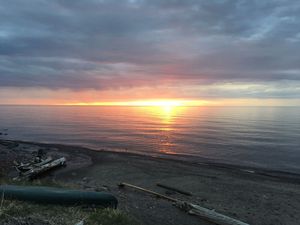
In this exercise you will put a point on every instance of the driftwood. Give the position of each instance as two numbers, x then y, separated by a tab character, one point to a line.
34	170
174	189
22	167
207	214
44	168
148	191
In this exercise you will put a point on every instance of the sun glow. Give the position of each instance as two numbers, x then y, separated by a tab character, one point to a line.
166	103
165	112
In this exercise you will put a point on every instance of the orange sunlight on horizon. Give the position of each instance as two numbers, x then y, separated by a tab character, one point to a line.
155	102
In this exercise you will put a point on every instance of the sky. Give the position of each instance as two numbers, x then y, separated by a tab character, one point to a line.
230	52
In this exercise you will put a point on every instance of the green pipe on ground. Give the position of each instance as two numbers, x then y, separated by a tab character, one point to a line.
60	196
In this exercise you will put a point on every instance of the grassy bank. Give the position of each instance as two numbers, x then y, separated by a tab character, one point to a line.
18	212
15	213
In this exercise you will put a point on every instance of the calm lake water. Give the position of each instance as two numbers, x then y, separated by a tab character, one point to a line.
266	137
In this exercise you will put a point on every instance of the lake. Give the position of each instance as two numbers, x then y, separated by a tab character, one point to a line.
267	137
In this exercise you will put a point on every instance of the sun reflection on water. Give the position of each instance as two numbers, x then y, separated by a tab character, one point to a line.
168	116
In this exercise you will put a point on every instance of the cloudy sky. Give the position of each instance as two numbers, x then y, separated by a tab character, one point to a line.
69	51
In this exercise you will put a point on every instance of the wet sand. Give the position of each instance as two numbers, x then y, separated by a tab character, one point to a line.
255	196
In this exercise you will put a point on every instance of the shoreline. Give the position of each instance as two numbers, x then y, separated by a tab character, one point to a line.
261	198
180	158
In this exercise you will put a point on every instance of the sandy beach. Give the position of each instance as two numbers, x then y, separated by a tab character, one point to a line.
252	195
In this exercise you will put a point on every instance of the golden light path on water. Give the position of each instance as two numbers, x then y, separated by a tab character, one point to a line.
167	115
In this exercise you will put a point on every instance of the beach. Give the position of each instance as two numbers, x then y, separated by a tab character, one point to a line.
255	196
150	112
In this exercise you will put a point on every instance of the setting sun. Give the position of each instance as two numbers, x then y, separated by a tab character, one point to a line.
168	103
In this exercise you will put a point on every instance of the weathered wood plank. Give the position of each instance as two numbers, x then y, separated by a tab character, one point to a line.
174	189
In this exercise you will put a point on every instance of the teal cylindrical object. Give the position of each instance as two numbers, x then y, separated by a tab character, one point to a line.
60	196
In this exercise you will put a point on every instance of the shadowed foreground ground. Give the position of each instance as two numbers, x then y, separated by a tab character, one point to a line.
257	197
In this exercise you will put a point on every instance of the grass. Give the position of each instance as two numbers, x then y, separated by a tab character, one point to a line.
18	212
15	213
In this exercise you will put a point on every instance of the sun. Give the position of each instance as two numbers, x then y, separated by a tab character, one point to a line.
162	103
166	103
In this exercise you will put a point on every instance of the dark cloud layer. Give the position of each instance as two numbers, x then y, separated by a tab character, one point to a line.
105	44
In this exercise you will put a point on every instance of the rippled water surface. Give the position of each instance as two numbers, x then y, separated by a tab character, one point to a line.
256	136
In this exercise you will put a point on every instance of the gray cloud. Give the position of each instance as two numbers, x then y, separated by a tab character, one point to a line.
112	44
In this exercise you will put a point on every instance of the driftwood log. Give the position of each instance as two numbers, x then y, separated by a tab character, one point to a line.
22	167
40	168
193	209
208	214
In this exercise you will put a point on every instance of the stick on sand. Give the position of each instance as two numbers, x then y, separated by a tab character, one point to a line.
174	189
193	209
